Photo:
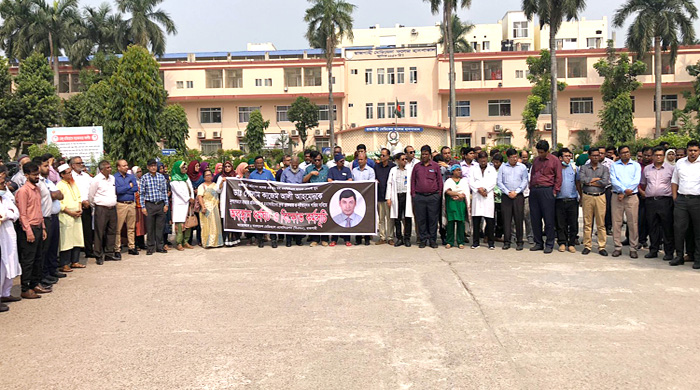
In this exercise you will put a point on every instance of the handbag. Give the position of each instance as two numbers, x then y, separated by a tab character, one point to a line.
191	220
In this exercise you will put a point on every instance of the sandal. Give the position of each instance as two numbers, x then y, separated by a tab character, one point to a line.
188	246
65	268
77	265
180	248
448	246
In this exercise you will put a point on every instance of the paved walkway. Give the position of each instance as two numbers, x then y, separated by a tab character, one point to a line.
359	318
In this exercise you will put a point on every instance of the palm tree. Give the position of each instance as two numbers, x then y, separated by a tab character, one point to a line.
329	21
661	21
459	31
101	31
144	27
552	13
448	8
15	31
53	29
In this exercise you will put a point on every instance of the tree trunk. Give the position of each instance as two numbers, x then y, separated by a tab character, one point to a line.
553	68
54	59
330	53
451	53
657	85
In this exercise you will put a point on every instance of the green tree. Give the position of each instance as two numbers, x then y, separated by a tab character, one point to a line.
15	32
459	35
541	94
304	114
328	22
173	127
134	104
692	102
6	114
620	80
144	26
667	23
552	13
255	133
102	67
34	105
100	32
449	7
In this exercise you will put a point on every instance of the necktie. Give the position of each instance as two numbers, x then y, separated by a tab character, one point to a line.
347	224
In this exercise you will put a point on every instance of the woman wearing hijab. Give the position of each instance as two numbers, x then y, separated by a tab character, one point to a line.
140	219
242	170
208	197
671	156
183	198
230	238
194	172
217	171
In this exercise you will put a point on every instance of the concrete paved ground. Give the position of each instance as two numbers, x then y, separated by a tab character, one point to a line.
359	318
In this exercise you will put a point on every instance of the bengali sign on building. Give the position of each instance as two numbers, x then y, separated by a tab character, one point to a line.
390	52
389	129
86	142
343	208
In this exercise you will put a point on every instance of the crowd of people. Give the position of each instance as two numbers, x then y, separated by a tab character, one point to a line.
53	210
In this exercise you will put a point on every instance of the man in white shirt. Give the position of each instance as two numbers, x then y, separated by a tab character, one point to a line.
411	159
50	208
363	173
82	181
307	160
685	186
103	199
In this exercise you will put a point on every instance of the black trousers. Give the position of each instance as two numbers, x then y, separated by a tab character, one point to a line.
105	231
427	212
51	245
358	239
70	256
689	243
513	208
294	237
155	220
404	235
476	230
642	226
441	228
542	207
498	220
86	218
608	204
686	213
659	220
567	221
31	258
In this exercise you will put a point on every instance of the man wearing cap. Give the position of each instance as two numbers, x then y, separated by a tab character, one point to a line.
331	162
339	173
583	157
154	205
83	180
381	172
70	221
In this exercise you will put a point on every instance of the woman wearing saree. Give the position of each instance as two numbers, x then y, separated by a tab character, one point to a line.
209	216
230	238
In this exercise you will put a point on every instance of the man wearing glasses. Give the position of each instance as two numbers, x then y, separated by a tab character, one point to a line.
82	181
411	159
317	173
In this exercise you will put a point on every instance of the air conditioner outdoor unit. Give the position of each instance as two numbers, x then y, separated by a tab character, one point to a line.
201	135
497	128
318	132
547	127
217	134
672	124
295	132
283	131
353	125
240	133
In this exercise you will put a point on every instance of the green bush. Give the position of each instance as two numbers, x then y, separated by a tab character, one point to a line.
41	149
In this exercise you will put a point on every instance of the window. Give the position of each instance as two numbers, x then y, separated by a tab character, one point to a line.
493	70
519	74
258	82
503	140
322	143
463	108
380	76
234	78
179	84
632	97
190	84
525	46
368	76
413	108
268	82
593	43
400	76
668	102
210	148
312	77
413	74
63	83
463	139
323	112
214	78
647	61
390	77
486	46
353	71
381	111
666	65
581	105
547	109
402	109
244	113
499	107
210	115
520	29
576	67
369	111
282	113
471	71
292	77
566	43
391	107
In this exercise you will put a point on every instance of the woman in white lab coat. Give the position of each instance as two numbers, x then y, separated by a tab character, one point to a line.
400	203
9	262
482	181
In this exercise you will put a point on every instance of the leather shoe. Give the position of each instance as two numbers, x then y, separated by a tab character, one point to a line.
161	251
30	294
4	307
633	254
117	256
398	243
39	289
696	265
506	246
133	252
58	274
586	251
677	261
668	257
261	243
100	261
288	244
536	248
617	253
651	255
603	253
274	243
519	247
434	245
10	299
149	253
421	244
548	250
407	243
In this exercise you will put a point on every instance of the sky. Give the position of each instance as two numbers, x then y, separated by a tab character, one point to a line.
227	25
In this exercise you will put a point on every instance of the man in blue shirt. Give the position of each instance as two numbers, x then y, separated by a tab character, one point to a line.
512	181
340	173
625	176
362	149
260	173
154	205
566	204
293	174
126	187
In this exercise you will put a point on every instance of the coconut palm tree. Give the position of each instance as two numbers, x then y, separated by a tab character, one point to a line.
459	31
449	7
15	30
667	23
101	31
552	13
144	26
328	22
